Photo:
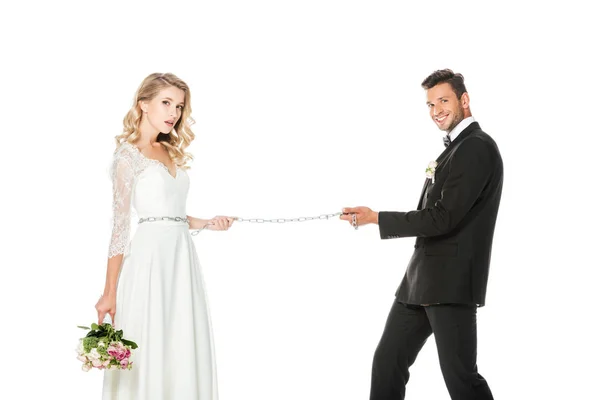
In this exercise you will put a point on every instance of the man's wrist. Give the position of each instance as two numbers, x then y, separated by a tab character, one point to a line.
375	217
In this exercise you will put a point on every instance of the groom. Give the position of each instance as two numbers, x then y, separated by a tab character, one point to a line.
446	278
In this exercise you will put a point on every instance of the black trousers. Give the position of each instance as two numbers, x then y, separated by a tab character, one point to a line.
406	331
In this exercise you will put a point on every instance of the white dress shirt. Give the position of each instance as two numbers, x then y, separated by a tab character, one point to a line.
460	127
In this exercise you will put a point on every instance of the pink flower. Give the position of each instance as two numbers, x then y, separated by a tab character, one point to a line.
124	364
117	352
82	358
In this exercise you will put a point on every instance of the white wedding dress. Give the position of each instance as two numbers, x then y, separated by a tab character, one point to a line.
161	303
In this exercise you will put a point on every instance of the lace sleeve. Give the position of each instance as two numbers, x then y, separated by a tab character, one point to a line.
122	174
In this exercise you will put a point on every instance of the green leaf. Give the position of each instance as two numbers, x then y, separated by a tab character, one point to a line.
94	326
107	327
83	327
129	343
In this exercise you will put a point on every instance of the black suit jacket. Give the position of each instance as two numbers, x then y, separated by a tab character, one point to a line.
454	224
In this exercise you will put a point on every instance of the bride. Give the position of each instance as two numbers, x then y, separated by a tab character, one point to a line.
159	300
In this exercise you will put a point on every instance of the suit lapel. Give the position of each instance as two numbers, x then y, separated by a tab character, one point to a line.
423	193
466	132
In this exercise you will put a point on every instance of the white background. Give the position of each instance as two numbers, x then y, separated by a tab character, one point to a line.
303	108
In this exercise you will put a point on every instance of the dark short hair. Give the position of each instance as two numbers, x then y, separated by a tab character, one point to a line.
457	81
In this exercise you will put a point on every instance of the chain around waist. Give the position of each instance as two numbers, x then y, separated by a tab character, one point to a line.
177	220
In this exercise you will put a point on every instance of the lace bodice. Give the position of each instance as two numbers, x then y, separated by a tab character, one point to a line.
145	185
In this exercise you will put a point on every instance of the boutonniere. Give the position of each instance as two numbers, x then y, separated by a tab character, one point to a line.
430	171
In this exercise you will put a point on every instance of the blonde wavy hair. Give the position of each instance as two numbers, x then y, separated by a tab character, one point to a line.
180	136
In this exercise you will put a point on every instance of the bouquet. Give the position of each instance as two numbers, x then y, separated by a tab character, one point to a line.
104	348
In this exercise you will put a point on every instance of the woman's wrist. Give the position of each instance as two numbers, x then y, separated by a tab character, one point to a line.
197	223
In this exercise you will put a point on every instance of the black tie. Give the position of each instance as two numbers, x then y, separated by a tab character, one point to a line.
447	140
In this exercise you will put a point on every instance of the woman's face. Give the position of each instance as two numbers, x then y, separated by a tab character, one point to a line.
164	110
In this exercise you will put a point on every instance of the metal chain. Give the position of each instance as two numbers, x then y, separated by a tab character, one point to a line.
154	219
284	220
253	220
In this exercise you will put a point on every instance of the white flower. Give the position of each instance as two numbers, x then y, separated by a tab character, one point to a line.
80	347
82	358
94	355
430	171
86	367
101	344
96	363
